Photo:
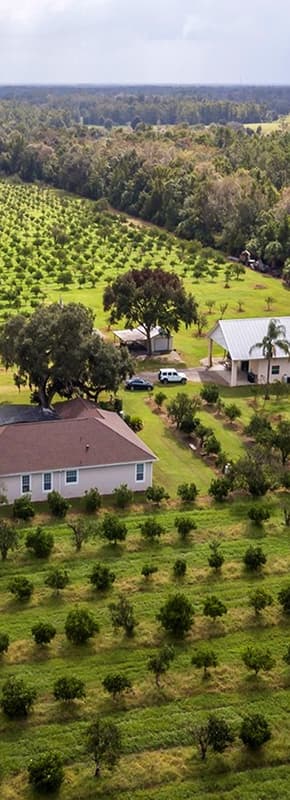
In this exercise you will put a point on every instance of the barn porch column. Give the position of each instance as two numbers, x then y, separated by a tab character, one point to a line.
234	373
210	344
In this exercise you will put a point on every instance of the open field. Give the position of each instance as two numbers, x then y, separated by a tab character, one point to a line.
54	245
159	758
280	124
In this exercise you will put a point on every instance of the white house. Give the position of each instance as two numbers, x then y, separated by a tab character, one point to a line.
237	337
71	448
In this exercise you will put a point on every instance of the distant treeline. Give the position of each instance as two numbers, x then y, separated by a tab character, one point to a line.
165	105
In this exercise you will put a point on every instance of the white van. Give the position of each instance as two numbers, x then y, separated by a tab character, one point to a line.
171	376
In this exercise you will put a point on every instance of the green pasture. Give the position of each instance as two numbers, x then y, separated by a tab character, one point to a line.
159	760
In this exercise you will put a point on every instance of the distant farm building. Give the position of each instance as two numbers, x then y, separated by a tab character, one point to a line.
135	339
243	362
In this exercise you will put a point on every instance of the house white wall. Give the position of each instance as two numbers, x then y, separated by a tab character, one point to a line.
259	367
105	479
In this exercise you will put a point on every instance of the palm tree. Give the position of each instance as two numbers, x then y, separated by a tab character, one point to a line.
275	338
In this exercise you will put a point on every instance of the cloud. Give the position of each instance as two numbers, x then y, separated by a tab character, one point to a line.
144	41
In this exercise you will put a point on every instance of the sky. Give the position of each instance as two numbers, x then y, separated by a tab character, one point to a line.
144	41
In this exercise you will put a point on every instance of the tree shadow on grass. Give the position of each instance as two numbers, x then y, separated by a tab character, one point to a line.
110	551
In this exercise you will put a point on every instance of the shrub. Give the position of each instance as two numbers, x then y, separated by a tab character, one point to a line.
252	475
151	529
215	559
181	408
212	445
258	514
155	494
256	659
43	632
159	664
122	615
92	501
259	600
41	542
113	529
123	496
4	642
69	688
105	744
176	615
148	570
22	588
210	393
80	626
22	508
187	492
8	538
203	658
17	698
232	411
254	558
259	428
135	423
57	579
203	432
184	525
188	425
213	607
45	772
179	568
220	735
159	398
58	505
219	489
82	530
255	731
101	577
116	684
284	599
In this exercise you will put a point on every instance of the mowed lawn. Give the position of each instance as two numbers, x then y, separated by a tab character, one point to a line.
252	290
159	759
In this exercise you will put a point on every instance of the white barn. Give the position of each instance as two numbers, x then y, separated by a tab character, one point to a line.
237	337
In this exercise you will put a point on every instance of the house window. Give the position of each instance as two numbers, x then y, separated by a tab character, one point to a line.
71	476
275	370
140	472
25	484
47	481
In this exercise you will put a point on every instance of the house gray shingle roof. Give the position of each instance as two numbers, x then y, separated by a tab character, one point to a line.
85	436
237	336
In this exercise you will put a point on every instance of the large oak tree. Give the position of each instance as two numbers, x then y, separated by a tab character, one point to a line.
150	297
55	350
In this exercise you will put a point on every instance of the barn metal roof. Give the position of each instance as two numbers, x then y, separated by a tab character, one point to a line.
130	335
237	336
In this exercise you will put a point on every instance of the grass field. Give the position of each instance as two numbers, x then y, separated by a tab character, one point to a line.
280	124
159	759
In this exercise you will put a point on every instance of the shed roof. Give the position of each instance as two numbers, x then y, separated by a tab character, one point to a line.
130	335
238	336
